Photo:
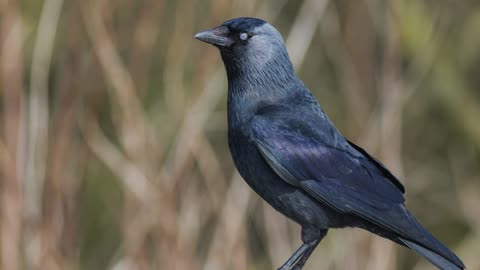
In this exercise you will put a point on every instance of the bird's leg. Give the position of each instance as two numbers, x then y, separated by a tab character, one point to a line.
301	262
298	259
295	257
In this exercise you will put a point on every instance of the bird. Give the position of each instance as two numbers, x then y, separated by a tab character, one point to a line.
290	153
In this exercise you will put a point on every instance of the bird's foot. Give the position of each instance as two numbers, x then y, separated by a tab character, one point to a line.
297	267
294	267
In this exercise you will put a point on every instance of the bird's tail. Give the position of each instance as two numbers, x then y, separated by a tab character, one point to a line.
411	233
430	248
435	258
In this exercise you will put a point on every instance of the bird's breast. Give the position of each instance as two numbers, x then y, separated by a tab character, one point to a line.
249	162
285	198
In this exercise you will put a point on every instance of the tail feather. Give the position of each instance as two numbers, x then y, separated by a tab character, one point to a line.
435	258
430	248
403	228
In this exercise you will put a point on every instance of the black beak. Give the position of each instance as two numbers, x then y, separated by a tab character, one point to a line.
217	36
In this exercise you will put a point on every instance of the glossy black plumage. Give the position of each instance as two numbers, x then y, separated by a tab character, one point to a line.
290	153
244	24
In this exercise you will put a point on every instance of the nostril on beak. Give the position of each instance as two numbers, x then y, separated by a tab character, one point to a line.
217	36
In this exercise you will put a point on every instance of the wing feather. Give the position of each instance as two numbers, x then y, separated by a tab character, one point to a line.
345	181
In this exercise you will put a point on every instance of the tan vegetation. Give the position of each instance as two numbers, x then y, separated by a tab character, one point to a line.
113	150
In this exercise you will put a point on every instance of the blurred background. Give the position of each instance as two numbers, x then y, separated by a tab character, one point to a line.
113	147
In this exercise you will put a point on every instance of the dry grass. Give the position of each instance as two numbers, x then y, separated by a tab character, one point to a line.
113	149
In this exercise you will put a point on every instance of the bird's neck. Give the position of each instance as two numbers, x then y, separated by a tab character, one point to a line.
253	87
261	81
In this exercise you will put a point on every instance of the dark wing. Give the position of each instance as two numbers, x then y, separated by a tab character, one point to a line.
379	166
301	160
343	180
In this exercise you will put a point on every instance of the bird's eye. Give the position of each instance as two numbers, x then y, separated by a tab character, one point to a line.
243	36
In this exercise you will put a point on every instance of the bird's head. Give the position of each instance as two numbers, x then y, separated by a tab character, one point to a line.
248	46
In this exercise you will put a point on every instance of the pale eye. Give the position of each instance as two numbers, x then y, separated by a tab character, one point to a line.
243	36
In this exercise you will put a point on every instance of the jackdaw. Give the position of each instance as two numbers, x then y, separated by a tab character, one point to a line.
289	152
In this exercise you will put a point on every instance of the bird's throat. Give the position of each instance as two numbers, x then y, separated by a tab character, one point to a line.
271	78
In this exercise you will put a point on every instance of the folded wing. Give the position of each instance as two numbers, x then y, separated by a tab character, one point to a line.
342	178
